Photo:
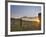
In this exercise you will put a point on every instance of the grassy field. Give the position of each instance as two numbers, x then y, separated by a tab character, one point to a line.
21	25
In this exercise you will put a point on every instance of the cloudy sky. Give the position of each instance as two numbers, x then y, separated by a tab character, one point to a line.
19	10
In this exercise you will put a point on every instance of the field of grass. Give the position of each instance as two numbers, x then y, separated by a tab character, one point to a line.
21	25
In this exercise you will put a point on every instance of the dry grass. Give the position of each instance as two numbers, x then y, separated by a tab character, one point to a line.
20	25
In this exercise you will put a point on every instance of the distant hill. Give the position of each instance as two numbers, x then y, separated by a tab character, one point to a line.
18	17
27	18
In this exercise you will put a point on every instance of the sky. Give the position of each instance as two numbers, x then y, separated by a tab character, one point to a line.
19	10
